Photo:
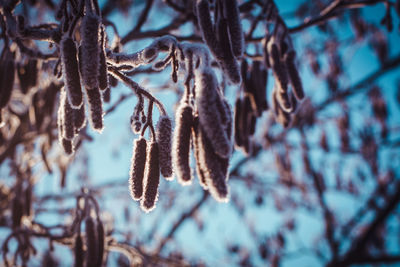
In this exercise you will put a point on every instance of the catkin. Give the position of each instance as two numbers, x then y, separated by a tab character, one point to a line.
91	242
163	136
69	63
79	118
294	74
231	12
278	67
7	73
151	178
68	146
136	173
281	116
237	118
95	108
90	51
214	172
210	119
17	209
100	243
68	119
196	152
78	251
103	74
181	143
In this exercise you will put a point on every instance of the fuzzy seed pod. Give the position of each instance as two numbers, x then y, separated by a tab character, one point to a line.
27	75
103	74
90	51
151	178
163	136
69	63
210	119
278	67
294	75
78	251
181	143
100	242
196	151
136	173
95	108
91	242
79	118
231	12
206	27
68	119
7	73
214	168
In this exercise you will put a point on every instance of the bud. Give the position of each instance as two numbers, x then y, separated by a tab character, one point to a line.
151	178
95	108
103	74
70	69
90	51
294	75
163	136
91	242
136	173
78	251
181	143
209	116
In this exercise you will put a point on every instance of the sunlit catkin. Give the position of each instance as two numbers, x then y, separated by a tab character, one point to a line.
90	51
209	116
294	74
163	136
78	251
151	178
103	74
91	241
136	172
181	143
95	108
70	70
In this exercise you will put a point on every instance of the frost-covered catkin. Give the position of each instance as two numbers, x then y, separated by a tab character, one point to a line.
163	136
91	242
209	116
68	119
95	108
196	152
70	70
136	173
181	143
294	74
103	74
68	146
214	172
90	51
151	178
231	12
78	251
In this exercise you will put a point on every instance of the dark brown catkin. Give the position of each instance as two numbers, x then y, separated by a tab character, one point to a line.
78	251
231	12
196	152
163	136
7	73
151	179
91	242
278	67
209	116
103	74
90	51
100	242
68	146
68	119
294	74
238	116
96	109
181	143
70	70
136	172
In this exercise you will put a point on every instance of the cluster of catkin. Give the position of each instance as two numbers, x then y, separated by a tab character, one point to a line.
85	65
223	36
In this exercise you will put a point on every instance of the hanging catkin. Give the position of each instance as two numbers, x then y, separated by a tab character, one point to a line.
68	117
91	242
209	116
90	51
163	136
78	251
95	108
151	178
79	118
100	243
196	152
231	12
136	173
294	74
70	69
103	74
181	143
7	73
